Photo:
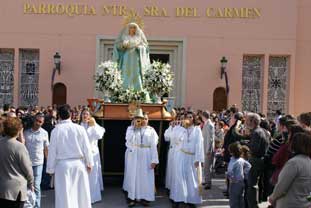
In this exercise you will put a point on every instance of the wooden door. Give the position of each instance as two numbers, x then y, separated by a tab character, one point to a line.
220	99
59	94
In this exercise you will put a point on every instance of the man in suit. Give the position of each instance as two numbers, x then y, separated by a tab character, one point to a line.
208	133
258	146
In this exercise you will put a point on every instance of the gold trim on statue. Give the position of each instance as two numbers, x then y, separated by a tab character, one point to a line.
133	18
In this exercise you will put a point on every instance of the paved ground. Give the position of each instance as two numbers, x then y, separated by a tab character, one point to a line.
113	197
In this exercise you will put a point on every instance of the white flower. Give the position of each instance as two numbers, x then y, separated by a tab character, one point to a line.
108	77
158	79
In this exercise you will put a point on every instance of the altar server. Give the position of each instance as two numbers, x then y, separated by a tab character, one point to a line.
69	159
95	132
141	158
187	186
175	143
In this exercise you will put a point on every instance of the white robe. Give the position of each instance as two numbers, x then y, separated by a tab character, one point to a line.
175	143
140	153
69	153
95	133
185	186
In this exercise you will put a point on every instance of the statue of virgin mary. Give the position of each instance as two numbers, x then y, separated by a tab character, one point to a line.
131	52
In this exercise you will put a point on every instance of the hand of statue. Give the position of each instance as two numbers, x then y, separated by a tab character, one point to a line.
126	44
153	165
196	164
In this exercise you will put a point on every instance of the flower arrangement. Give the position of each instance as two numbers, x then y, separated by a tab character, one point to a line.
159	78
108	78
129	95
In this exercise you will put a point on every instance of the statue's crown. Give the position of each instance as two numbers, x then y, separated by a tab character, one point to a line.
133	17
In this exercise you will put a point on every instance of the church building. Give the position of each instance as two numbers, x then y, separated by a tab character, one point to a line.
254	54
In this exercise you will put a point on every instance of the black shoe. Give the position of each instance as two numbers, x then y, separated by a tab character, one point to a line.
207	187
131	203
175	204
145	203
191	205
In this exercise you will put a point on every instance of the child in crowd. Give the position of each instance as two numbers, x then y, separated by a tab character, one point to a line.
245	153
238	169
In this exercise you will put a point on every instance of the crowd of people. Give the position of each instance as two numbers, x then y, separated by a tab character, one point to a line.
263	159
34	148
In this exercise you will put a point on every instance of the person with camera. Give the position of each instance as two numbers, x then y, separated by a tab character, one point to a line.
187	186
141	158
95	133
37	142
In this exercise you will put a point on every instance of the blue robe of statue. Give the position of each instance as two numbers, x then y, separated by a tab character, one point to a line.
132	55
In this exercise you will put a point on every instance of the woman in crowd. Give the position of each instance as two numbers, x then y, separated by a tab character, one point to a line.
283	154
16	168
232	135
219	133
294	184
305	120
95	133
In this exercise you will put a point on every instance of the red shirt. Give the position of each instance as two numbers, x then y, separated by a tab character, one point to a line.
279	159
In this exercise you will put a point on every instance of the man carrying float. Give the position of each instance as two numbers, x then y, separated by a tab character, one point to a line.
175	143
186	186
141	158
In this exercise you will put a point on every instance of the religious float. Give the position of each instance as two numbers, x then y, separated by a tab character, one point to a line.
130	82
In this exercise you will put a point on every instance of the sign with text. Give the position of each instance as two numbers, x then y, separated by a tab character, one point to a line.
76	9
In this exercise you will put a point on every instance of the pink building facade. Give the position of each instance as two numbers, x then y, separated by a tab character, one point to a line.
267	45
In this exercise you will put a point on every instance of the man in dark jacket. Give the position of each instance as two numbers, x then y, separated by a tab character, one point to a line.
259	141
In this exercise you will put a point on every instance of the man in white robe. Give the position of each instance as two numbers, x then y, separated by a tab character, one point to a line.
95	133
69	159
175	143
186	186
141	158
